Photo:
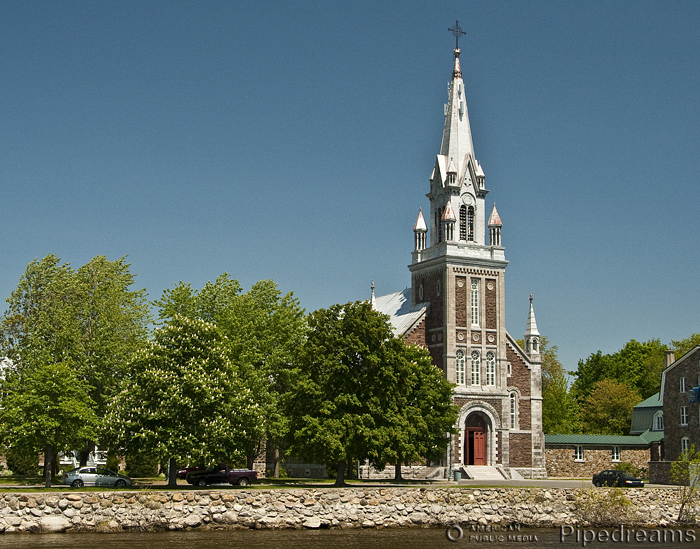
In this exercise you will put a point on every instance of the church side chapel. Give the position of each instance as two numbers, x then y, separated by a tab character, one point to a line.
456	308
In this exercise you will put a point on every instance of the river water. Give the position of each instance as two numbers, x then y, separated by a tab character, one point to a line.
396	538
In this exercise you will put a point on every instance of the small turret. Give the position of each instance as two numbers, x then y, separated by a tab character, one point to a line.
419	231
532	336
495	227
448	223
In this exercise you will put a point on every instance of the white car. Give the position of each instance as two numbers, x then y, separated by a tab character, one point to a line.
94	476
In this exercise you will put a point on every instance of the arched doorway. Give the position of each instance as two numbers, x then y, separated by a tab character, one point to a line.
474	440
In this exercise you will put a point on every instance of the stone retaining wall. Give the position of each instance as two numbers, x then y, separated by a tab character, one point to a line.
312	508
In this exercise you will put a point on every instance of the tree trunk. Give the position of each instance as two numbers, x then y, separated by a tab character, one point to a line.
276	463
48	465
397	472
340	478
85	452
172	473
249	460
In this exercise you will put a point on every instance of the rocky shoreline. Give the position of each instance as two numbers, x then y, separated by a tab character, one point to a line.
352	507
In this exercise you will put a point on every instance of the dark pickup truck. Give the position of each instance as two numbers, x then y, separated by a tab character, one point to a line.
220	475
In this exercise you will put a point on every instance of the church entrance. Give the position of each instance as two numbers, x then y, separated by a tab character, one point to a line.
474	441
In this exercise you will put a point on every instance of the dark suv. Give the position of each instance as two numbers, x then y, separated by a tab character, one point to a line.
617	478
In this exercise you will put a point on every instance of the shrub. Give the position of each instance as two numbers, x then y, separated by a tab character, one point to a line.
606	507
22	462
113	462
631	468
686	473
141	465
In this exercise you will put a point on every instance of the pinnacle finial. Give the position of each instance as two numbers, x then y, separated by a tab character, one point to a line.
373	300
530	292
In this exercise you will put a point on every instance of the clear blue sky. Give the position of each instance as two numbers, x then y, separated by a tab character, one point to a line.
294	141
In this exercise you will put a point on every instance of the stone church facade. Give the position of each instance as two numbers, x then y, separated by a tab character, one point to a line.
456	308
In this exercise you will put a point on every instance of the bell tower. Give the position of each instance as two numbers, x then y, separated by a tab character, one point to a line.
458	281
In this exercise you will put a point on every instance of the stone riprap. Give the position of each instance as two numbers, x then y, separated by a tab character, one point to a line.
311	508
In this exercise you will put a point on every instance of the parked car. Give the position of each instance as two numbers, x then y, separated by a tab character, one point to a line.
222	474
94	476
182	473
617	478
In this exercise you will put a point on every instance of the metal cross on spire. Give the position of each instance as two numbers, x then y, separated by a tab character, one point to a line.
457	31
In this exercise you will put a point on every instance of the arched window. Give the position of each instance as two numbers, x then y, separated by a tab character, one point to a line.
475	302
438	223
490	368
462	222
685	444
658	421
476	368
460	368
534	344
470	224
513	409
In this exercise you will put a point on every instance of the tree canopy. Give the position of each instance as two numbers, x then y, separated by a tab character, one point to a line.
682	346
89	320
48	409
607	410
355	391
638	365
184	399
262	328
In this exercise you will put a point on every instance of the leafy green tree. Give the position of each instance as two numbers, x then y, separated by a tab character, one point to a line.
42	324
638	365
184	399
608	408
263	328
113	325
89	319
682	346
418	408
46	408
355	391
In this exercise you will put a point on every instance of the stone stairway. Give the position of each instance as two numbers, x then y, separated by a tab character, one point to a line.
483	472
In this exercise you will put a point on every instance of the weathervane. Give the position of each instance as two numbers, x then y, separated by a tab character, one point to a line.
457	31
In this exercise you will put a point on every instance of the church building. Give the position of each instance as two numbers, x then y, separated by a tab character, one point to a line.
456	308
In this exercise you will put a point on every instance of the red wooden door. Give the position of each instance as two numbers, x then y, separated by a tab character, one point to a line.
479	448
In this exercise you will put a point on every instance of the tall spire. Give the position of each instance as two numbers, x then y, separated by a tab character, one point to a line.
457	134
532	335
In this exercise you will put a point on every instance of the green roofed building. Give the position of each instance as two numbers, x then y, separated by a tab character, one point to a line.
581	456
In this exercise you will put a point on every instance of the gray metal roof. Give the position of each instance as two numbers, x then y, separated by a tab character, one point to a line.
398	306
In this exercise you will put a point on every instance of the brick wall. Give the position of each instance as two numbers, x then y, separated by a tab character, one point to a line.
660	472
417	335
461	301
520	374
520	450
560	461
490	304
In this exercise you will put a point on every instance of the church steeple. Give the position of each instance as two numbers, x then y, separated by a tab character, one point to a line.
457	181
457	134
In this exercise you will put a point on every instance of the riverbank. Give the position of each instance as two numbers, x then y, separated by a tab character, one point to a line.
326	508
